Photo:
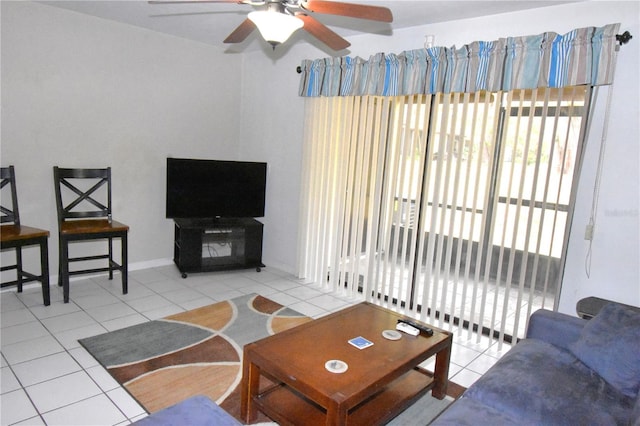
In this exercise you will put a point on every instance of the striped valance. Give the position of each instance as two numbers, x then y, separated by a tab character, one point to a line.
582	56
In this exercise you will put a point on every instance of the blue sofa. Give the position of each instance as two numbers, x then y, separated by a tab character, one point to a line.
568	371
195	411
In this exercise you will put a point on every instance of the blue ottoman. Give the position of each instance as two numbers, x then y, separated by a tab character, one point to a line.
195	411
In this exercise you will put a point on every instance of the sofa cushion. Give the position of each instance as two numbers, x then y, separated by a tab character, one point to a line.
469	412
609	344
537	382
195	411
635	415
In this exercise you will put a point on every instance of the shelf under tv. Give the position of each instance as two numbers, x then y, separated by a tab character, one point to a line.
219	244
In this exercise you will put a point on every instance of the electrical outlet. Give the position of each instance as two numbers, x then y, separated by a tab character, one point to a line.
588	232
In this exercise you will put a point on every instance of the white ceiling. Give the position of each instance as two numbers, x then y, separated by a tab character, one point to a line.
211	23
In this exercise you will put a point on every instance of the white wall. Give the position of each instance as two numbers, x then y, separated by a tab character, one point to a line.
270	86
81	91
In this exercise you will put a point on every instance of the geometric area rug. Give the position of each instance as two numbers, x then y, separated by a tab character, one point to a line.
198	352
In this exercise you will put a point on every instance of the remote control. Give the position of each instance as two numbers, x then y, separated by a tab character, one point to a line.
406	328
427	330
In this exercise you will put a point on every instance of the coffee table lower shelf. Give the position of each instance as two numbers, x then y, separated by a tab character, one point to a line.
286	406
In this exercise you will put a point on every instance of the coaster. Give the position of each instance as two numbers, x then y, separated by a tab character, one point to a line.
391	335
336	366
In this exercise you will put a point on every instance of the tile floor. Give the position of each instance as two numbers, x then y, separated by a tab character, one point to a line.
48	378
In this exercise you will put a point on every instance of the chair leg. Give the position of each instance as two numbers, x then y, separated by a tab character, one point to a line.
44	269
125	265
19	268
110	258
64	269
60	262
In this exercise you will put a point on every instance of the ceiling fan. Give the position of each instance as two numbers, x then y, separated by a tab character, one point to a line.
278	19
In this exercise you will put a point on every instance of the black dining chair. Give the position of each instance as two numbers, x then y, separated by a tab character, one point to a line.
15	236
83	199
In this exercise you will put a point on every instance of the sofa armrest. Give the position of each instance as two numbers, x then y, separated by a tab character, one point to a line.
555	328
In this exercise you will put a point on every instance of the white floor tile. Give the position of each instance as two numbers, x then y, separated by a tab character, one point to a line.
146	276
62	391
264	276
228	295
82	287
206	280
98	410
126	403
148	303
8	381
94	300
258	288
135	291
284	299
165	286
118	323
69	338
9	301
114	286
68	322
84	358
23	332
262	290
466	377
102	378
308	309
30	349
55	309
20	407
462	355
238	282
111	311
482	363
170	271
33	296
329	302
304	292
198	303
182	295
282	284
162	312
33	421
16	317
45	368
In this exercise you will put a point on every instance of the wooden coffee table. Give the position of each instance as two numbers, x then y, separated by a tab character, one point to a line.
284	375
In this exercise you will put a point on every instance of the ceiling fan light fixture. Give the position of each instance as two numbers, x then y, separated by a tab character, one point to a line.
275	27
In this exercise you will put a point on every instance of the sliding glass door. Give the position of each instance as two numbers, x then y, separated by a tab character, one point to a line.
454	208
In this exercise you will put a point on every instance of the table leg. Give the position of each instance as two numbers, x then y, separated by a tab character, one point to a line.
250	389
336	412
441	373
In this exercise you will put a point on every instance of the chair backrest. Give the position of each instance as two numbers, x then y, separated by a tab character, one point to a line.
82	193
8	209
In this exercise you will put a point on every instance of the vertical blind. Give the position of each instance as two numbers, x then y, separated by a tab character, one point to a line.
453	208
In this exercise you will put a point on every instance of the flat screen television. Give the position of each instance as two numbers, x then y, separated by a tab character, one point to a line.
202	189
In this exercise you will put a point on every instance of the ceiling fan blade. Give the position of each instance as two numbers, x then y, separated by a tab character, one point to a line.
323	33
241	32
361	11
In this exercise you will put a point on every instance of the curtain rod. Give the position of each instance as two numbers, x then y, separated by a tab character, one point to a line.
621	38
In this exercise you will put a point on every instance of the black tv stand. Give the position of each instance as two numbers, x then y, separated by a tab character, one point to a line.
217	244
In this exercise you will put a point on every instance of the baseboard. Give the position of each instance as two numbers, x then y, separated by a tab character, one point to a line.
135	266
